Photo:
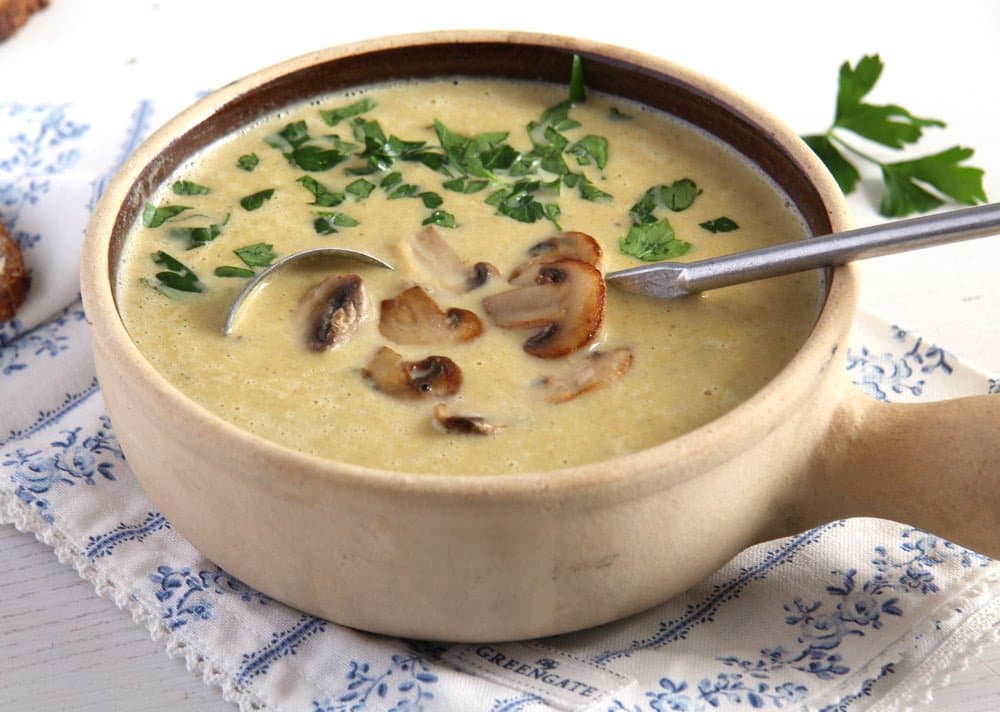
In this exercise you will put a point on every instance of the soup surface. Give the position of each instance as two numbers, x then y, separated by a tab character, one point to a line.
332	172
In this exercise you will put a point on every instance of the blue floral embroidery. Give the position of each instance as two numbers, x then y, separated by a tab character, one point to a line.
405	692
77	459
187	593
47	339
879	374
282	644
677	629
31	158
104	544
48	417
865	691
514	704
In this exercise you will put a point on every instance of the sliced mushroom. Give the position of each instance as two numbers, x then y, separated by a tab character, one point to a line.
437	258
566	301
562	245
432	377
332	311
593	371
413	317
445	422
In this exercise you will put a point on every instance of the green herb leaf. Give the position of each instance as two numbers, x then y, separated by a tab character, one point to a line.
153	216
464	184
199	236
186	187
248	161
328	222
334	116
680	194
177	275
230	271
431	200
254	201
721	224
259	254
322	196
316	158
441	218
588	191
904	193
590	149
843	171
907	184
577	92
360	189
391	180
890	125
653	242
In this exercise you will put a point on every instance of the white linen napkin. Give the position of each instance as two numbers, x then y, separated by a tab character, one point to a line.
856	614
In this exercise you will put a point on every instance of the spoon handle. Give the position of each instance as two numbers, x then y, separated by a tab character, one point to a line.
675	279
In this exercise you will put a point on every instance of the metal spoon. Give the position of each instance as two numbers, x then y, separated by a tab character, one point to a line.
669	280
313	253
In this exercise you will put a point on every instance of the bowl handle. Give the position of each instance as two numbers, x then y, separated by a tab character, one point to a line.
935	466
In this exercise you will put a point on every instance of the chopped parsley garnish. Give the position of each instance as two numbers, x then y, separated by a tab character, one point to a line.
259	254
322	196
360	189
153	216
176	274
186	187
442	218
332	117
911	186
199	236
652	242
649	238
577	92
328	222
721	224
255	200
590	149
431	200
248	161
301	149
230	271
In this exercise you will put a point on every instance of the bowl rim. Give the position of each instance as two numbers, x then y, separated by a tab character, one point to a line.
668	463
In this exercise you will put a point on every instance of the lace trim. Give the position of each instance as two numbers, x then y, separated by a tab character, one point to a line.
13	511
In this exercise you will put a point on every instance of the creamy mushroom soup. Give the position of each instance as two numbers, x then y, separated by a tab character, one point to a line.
493	346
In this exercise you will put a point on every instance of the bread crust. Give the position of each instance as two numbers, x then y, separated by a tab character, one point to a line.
14	279
14	13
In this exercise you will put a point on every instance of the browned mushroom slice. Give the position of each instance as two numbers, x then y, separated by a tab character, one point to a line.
593	371
436	257
432	377
566	300
462	424
413	317
332	311
562	245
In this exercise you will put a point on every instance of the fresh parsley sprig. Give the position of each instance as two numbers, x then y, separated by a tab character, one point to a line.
910	186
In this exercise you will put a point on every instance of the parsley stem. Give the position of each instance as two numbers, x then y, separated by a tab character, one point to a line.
860	154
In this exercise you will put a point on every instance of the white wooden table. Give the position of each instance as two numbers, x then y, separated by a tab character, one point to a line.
62	647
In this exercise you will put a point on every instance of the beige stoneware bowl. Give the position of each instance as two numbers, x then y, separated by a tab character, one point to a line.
539	553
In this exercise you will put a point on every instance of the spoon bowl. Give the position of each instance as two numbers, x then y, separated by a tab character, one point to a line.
315	253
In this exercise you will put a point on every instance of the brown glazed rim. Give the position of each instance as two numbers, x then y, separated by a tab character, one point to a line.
776	150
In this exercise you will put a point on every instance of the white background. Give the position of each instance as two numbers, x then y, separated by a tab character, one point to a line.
61	647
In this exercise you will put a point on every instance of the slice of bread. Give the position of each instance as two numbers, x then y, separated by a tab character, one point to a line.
14	13
14	280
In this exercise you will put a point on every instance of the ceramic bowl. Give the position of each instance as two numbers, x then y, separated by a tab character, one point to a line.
508	557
